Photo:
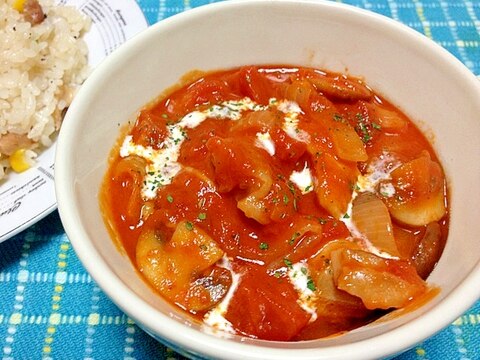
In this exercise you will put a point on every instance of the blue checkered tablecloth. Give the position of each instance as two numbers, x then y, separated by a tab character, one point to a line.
51	308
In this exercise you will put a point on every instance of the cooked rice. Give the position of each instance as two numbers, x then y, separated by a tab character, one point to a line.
41	68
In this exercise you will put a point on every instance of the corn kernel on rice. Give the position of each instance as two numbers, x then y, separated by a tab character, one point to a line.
41	67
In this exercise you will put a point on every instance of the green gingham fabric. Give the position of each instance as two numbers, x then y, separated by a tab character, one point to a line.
51	308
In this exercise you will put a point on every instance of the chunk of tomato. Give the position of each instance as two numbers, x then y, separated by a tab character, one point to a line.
236	163
264	307
150	130
287	148
257	86
204	91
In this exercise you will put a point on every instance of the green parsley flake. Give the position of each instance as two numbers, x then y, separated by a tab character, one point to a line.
363	129
202	216
272	101
311	284
346	216
189	225
288	263
291	187
285	199
292	239
304	270
263	246
170	198
337	117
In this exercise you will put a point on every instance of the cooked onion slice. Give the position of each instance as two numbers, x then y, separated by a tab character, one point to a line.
348	144
380	283
252	205
342	88
130	171
299	91
334	183
371	217
388	120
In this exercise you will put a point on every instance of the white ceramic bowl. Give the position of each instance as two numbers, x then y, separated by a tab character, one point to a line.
425	81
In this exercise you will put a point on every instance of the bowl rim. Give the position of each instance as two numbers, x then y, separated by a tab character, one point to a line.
393	341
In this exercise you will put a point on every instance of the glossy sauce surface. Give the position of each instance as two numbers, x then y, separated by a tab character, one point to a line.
278	202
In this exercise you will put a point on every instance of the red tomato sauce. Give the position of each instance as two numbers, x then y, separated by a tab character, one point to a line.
294	202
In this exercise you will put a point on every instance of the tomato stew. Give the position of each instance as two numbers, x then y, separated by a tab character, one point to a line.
278	202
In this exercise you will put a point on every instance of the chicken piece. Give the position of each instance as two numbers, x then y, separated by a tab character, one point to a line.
380	283
419	192
183	268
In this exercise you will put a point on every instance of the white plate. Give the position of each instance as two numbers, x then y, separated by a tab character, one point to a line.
27	197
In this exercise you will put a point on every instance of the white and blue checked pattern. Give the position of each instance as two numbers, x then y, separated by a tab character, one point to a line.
51	308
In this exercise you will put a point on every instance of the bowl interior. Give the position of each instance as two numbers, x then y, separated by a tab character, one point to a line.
422	79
